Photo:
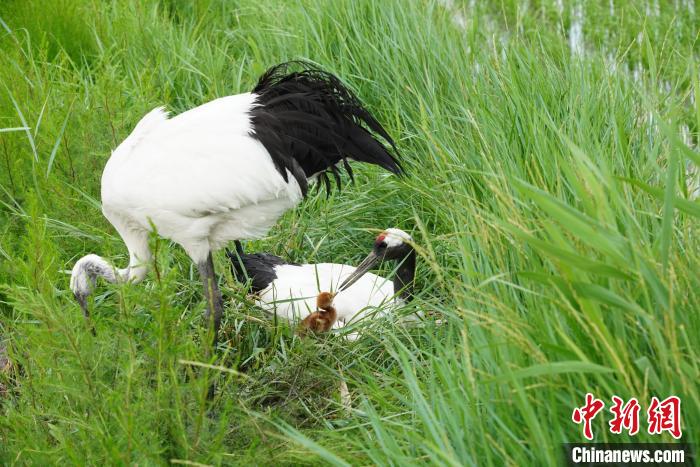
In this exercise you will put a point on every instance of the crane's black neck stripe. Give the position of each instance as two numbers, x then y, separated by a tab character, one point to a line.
404	279
309	122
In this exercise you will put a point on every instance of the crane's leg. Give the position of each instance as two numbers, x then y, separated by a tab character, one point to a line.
215	306
212	294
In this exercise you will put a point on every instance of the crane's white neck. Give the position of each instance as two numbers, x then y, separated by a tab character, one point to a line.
90	267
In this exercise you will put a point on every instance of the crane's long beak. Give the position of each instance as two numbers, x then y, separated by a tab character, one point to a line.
82	300
360	271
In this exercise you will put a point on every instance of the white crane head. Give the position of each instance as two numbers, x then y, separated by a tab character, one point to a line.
390	245
84	275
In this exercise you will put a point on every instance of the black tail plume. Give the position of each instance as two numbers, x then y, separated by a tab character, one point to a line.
309	122
239	247
255	269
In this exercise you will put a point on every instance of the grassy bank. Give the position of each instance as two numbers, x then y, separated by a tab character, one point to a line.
547	192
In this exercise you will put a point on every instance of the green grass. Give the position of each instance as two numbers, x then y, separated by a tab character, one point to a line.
546	193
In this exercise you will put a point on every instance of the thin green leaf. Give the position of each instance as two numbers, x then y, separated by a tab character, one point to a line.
570	257
607	296
669	197
58	141
18	128
549	369
688	207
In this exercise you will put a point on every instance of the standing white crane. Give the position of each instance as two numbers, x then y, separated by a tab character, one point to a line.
291	290
228	169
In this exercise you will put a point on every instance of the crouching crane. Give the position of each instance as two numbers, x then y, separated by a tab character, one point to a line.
228	169
291	291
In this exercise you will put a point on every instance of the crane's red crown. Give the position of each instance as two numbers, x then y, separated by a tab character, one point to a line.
380	238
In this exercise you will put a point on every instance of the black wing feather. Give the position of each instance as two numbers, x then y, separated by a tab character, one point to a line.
259	268
309	121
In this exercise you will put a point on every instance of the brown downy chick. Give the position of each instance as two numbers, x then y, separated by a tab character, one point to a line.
323	319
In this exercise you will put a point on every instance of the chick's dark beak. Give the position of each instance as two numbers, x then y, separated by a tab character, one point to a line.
366	264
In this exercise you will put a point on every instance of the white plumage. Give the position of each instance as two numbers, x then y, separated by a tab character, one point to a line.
290	290
293	294
206	180
227	170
